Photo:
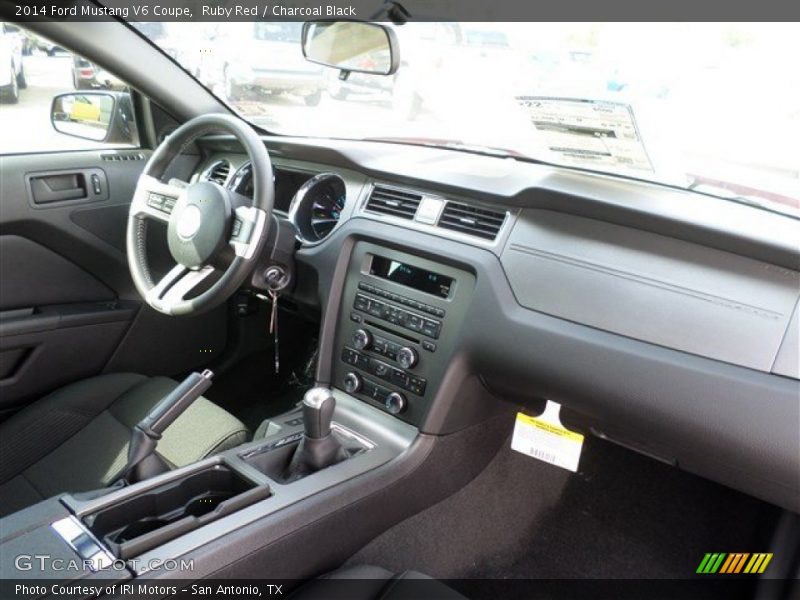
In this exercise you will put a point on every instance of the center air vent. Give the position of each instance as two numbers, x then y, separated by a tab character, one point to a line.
394	202
219	172
472	220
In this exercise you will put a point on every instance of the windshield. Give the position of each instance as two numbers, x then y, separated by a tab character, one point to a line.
704	106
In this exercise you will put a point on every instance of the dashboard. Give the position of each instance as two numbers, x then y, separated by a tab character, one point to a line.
663	320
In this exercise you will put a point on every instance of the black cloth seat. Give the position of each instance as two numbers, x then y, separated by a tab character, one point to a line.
76	438
365	582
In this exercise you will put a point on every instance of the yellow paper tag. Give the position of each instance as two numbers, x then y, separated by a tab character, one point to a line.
545	438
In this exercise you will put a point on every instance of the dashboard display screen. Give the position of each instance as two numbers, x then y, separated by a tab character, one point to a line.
413	277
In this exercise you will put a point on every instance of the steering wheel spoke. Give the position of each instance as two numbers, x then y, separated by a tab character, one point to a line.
155	199
173	288
248	227
199	216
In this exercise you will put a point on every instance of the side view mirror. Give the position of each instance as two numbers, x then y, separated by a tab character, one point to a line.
97	116
351	46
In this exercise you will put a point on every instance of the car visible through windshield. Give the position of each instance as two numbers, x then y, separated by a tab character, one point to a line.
700	106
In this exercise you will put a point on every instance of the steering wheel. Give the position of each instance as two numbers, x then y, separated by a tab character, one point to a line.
209	227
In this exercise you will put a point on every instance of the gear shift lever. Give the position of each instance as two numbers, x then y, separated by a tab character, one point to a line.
318	407
319	447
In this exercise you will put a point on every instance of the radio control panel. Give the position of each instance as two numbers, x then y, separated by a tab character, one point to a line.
399	320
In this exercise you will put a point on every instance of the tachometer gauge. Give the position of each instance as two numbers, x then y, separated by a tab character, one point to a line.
317	207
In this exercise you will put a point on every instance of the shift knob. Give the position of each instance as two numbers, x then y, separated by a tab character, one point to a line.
318	406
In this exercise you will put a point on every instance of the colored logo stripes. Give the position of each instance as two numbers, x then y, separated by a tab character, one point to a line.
734	562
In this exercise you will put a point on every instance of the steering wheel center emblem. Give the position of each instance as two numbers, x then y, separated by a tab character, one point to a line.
189	222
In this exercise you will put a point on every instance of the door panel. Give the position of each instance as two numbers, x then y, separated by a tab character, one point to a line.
33	275
68	307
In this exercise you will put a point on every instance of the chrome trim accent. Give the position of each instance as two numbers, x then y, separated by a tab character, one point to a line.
316	396
257	220
349	433
297	201
434	229
177	283
83	543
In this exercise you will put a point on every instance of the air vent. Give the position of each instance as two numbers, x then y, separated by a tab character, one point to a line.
481	222
117	156
219	172
394	202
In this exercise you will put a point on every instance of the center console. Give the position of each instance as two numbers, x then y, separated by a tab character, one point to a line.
398	325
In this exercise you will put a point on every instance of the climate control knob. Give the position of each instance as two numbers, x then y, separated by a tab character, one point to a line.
395	403
407	357
362	339
352	382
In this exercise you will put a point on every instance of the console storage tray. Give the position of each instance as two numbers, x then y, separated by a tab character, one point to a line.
155	516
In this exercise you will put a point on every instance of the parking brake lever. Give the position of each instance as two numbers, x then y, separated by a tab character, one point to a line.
142	463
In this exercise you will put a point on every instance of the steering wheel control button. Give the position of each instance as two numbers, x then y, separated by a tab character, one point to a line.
407	357
395	403
362	339
352	383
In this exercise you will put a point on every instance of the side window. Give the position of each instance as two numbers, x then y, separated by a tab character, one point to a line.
53	100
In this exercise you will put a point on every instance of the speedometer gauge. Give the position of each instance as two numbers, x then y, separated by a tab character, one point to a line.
317	207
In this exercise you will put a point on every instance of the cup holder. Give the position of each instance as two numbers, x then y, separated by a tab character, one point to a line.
153	517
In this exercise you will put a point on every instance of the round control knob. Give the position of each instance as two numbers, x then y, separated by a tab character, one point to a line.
362	339
395	403
407	357
352	383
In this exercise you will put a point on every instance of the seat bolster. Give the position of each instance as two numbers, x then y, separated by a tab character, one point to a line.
37	430
202	430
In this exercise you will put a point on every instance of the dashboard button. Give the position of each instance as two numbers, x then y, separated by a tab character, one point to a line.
414	323
401	378
431	328
381	369
361	302
349	356
376	308
416	385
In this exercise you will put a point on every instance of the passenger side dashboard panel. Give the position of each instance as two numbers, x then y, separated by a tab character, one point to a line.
651	287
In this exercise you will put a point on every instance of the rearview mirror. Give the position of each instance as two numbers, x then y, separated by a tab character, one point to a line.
351	46
97	116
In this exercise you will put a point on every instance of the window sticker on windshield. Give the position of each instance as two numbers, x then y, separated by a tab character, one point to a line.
588	133
545	438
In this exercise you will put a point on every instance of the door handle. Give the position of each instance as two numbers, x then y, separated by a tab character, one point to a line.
56	188
62	186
